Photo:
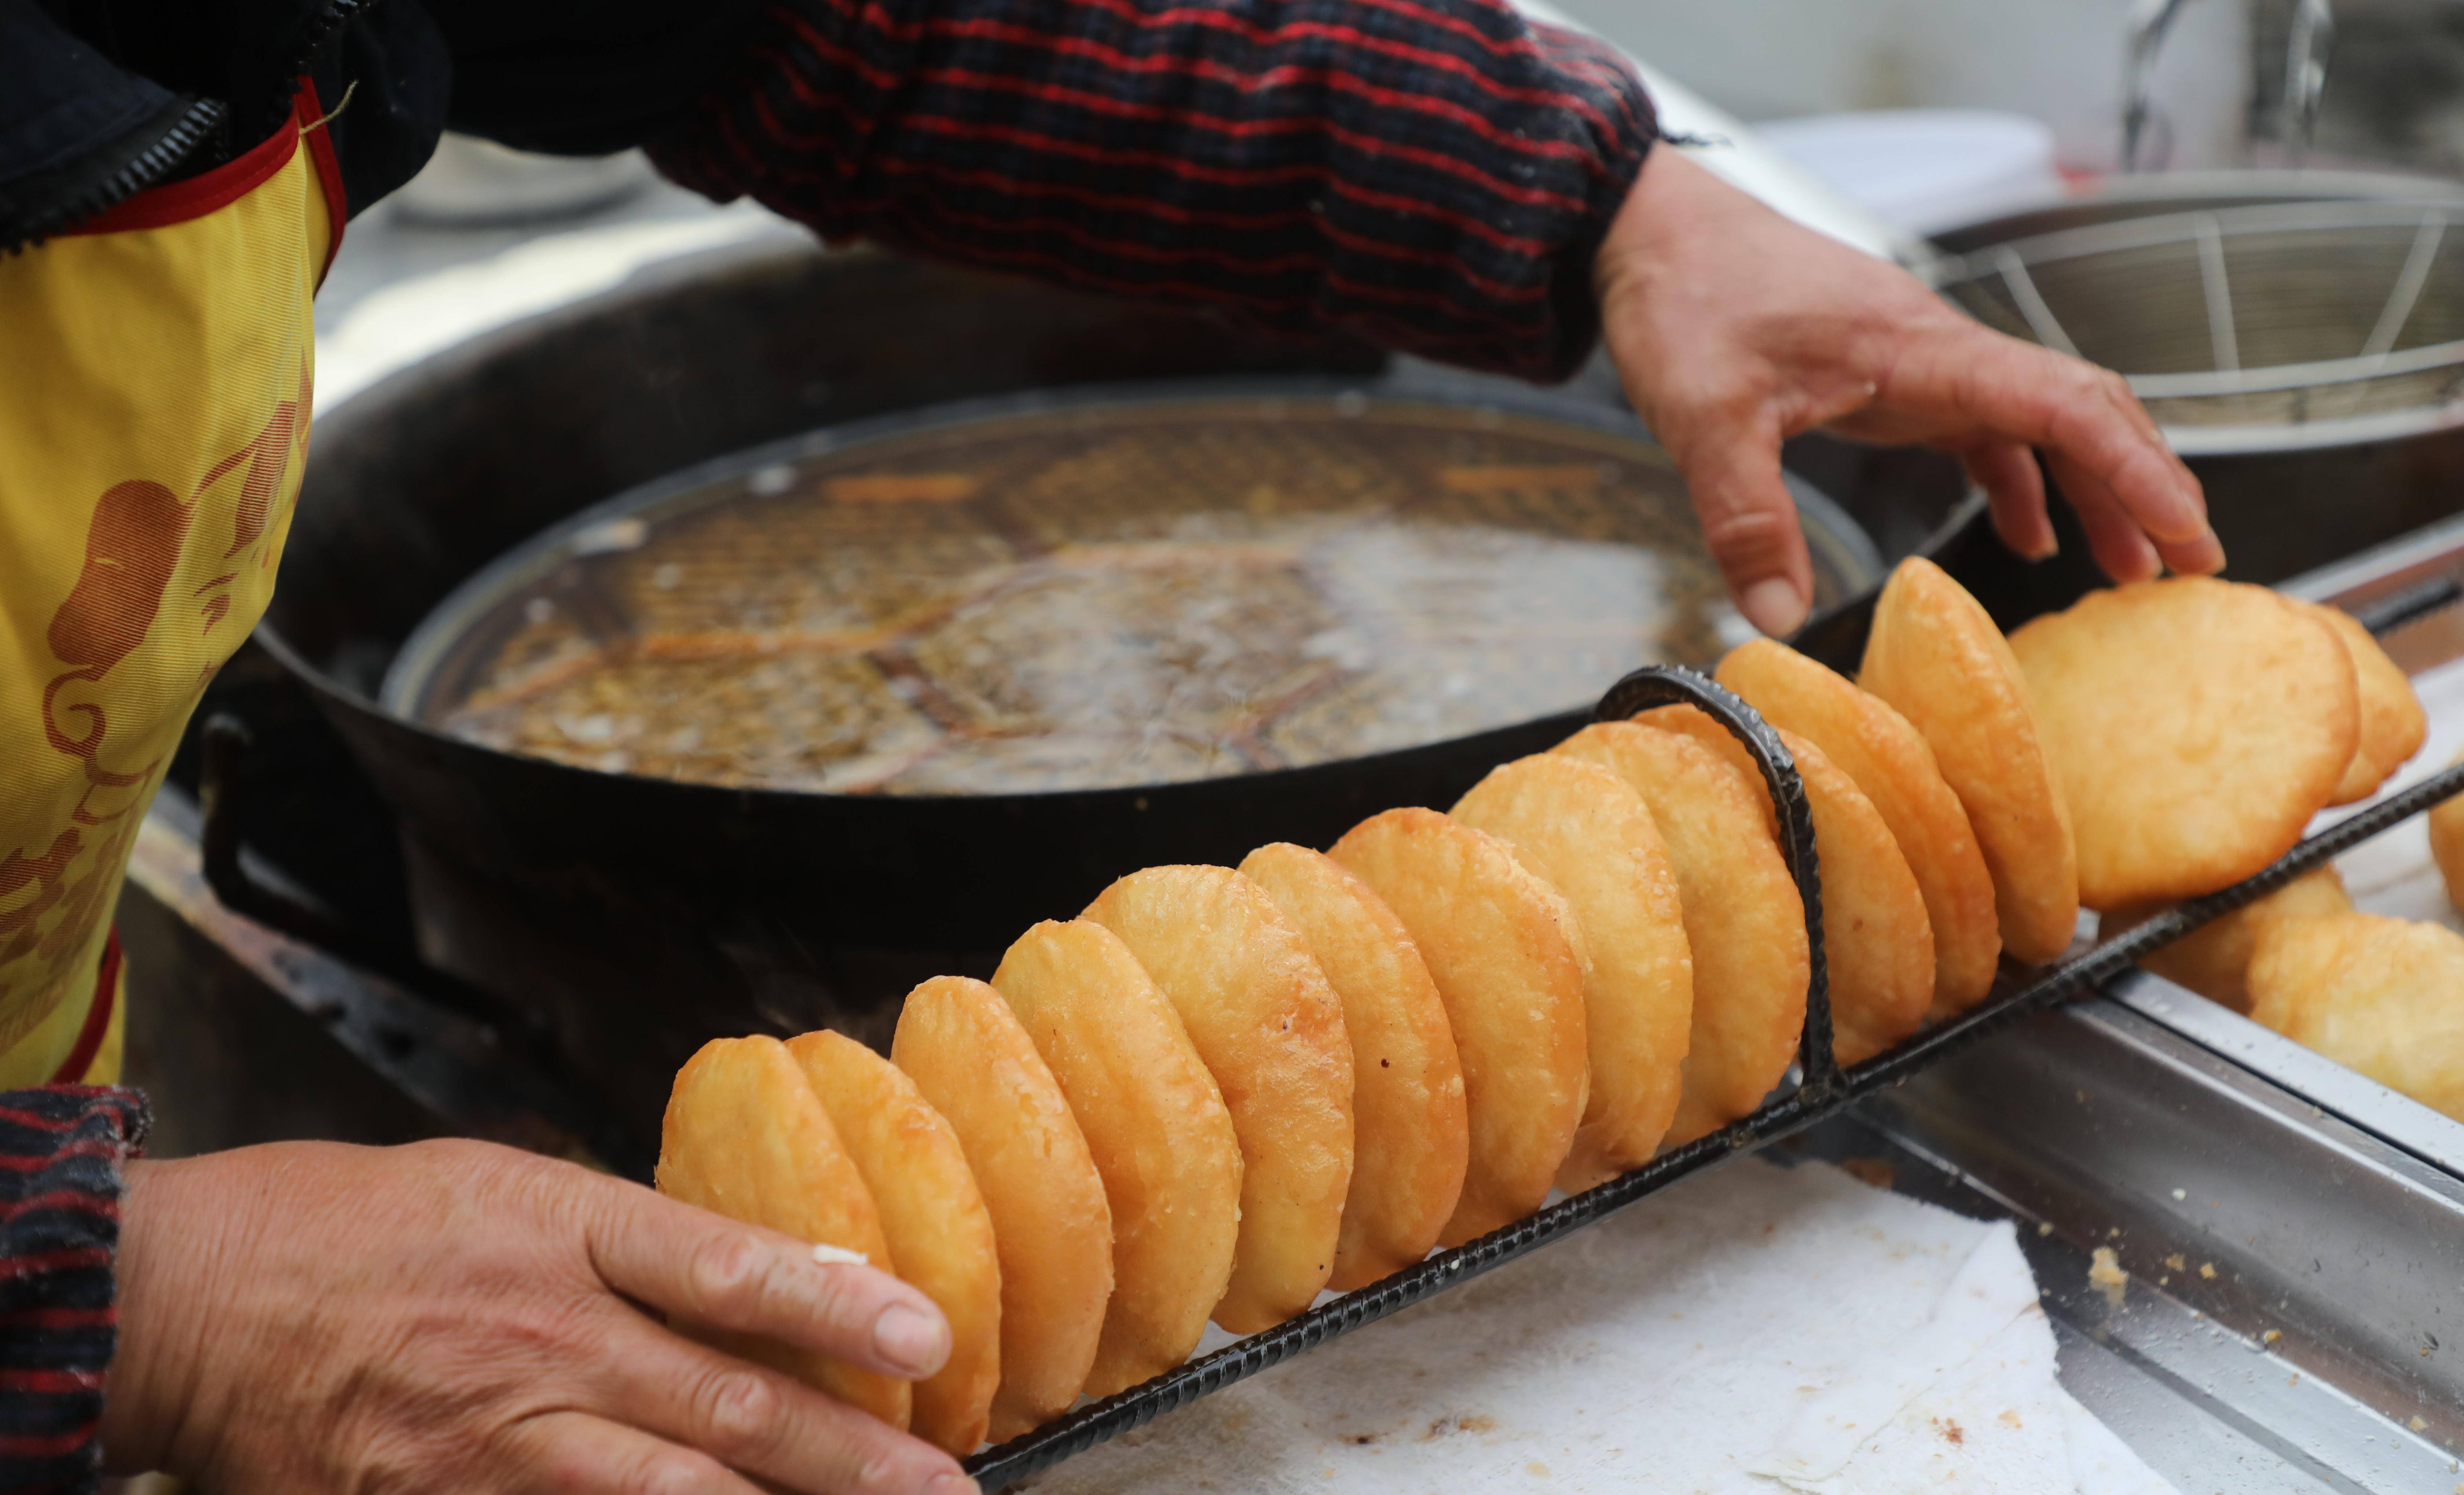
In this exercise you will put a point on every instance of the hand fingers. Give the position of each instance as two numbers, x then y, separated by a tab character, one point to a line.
718	1273
1749	523
2190	550
2121	547
757	1420
572	1453
2203	557
2015	491
2086	415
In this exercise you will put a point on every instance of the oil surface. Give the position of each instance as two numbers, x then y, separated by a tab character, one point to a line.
1119	595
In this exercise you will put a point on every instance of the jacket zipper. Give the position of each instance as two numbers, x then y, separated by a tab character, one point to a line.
196	124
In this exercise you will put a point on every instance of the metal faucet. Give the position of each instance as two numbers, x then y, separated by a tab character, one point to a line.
2309	39
2305	73
2149	21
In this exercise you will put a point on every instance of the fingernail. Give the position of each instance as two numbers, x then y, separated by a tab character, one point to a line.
2047	548
2211	552
1772	605
908	1340
952	1484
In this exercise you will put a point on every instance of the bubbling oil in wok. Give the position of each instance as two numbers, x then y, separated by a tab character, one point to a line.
1114	595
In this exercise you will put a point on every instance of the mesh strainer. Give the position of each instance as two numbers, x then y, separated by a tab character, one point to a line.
2269	327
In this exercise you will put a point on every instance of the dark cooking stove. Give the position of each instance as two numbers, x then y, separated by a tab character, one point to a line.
244	1033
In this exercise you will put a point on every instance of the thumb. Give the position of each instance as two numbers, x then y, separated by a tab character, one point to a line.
1749	522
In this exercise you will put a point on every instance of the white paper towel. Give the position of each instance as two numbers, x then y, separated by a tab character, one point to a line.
2394	873
1751	1332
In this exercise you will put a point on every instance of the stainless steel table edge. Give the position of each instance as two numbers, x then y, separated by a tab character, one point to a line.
2295	1294
2390	1115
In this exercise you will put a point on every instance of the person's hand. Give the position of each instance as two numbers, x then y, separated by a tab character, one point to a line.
459	1316
1733	328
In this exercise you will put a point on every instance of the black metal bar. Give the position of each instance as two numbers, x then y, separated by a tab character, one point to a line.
2410	605
2092	968
1669	685
1081	1430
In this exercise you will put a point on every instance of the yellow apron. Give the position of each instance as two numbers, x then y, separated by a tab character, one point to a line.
154	377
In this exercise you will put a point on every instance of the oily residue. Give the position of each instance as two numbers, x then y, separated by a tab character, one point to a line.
1459	1422
2105	1272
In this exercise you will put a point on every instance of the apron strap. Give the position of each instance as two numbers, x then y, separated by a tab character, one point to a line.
98	1016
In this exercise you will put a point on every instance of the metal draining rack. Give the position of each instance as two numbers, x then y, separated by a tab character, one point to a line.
1822	1090
2330	350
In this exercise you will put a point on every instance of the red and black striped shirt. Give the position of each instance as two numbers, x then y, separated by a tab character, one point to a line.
1432	174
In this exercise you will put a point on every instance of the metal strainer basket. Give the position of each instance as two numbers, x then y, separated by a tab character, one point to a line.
2245	329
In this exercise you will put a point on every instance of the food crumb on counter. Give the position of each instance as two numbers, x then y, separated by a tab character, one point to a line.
2271	1336
2177	1262
2207	1270
2105	1271
2044	1228
2181	1194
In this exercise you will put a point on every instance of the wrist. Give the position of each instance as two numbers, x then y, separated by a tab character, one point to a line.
1665	207
152	1383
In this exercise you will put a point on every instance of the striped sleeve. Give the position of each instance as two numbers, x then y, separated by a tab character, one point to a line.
61	1156
1432	174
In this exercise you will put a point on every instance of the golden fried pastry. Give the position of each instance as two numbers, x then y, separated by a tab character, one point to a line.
2382	996
1270	1030
933	1219
1588	834
1503	950
1052	1231
2196	726
1889	760
2447	845
1936	658
746	1137
2213	960
2392	723
1410	1129
1743	924
1156	1126
1877	939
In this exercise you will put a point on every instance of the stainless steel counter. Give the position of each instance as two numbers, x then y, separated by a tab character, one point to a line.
2295	1286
